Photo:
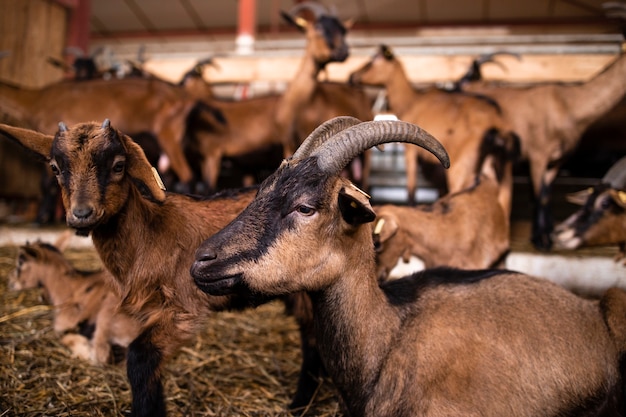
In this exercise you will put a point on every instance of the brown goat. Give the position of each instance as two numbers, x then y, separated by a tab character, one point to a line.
440	343
144	237
479	219
602	218
80	299
260	122
459	121
43	265
135	105
550	120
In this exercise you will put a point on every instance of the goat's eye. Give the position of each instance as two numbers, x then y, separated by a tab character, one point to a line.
605	203
305	210
55	168
118	167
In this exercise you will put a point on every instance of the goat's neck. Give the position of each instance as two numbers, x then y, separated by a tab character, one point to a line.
355	327
400	92
121	239
17	102
299	90
589	101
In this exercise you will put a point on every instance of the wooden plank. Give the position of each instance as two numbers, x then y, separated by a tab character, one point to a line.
420	69
31	30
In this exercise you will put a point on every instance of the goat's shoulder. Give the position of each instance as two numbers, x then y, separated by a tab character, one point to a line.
409	289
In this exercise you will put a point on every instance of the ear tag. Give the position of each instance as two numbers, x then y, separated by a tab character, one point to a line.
379	226
622	196
157	178
361	191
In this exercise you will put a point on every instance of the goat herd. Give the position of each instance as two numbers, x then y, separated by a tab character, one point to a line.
445	341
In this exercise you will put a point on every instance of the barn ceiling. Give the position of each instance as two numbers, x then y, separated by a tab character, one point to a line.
119	19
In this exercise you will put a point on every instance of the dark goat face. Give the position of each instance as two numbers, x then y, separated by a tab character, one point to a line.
94	166
287	239
333	34
89	163
600	221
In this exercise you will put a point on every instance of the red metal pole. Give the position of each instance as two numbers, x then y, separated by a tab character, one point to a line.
246	26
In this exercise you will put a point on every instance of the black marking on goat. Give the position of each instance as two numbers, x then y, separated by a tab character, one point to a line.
86	329
49	247
482	97
333	30
589	215
143	369
408	289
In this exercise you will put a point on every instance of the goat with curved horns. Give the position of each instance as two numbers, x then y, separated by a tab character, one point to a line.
445	342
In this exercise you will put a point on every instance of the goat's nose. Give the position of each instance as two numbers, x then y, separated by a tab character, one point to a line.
82	212
206	255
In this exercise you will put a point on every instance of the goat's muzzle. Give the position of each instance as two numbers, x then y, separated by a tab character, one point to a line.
209	277
83	218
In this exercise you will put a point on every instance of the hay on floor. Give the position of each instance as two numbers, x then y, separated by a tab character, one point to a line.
244	364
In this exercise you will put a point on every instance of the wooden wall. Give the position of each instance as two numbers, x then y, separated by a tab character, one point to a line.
31	31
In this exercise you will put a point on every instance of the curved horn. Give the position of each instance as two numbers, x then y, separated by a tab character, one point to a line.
334	155
62	127
489	57
322	133
316	8
616	175
106	124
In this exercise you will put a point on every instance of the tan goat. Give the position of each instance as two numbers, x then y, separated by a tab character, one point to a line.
81	300
479	220
260	122
459	121
444	342
550	120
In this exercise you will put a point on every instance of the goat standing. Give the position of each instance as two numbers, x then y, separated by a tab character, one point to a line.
444	342
145	239
460	121
550	120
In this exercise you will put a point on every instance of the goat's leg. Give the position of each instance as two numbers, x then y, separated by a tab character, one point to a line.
543	223
211	170
410	161
143	368
312	369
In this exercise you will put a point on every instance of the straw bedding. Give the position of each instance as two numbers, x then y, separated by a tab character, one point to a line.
244	364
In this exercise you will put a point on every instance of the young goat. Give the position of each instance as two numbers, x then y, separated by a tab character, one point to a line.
43	265
602	218
144	237
80	298
440	343
480	220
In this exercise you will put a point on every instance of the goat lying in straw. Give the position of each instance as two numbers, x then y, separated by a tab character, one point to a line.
81	300
440	343
145	237
602	218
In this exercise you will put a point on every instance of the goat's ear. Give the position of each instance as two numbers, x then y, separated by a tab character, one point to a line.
37	142
355	206
619	197
580	197
388	228
142	173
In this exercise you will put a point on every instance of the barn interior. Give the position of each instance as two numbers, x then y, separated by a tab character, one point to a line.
254	52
